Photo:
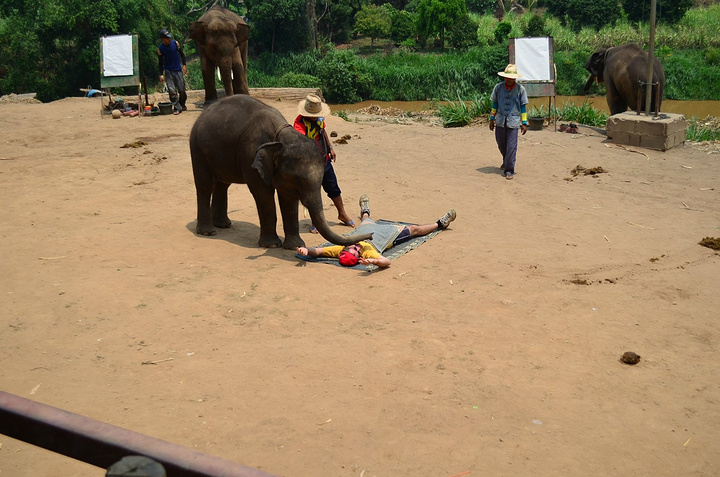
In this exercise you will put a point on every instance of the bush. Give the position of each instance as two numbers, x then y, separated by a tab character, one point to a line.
667	11
299	80
580	13
502	31
463	33
343	77
536	26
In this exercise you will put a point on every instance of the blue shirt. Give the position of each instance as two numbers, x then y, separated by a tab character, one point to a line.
509	105
171	57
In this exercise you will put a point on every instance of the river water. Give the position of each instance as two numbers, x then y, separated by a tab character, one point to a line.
701	109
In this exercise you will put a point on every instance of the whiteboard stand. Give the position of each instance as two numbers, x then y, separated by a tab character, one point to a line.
119	66
535	60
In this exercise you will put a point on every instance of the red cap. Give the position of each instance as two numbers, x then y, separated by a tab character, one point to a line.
347	259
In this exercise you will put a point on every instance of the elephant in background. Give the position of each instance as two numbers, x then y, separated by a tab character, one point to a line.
241	140
622	68
222	41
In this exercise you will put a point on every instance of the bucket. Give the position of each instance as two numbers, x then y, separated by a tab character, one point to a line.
536	124
165	108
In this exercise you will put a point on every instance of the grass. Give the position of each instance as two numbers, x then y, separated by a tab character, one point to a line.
461	113
702	130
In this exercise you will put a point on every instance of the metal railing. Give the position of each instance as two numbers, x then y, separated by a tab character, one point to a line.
103	445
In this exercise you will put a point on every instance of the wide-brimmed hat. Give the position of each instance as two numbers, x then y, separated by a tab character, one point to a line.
510	72
165	34
313	107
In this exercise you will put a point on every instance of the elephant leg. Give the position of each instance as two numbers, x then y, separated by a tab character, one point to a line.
204	188
291	226
208	74
240	79
616	102
265	202
220	206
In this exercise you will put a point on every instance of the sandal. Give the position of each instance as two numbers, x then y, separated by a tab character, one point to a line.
349	224
313	230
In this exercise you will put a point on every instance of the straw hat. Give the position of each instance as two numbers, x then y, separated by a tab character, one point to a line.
510	72
313	107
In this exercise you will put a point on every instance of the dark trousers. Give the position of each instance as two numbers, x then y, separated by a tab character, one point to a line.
507	140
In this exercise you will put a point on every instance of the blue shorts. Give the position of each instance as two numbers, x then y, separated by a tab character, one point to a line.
329	182
402	236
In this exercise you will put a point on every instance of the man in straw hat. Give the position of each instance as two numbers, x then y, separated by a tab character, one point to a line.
509	113
310	122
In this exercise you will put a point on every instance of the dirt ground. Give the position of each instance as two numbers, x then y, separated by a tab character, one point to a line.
493	349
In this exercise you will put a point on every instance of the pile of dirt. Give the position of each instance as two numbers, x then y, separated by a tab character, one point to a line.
399	116
19	98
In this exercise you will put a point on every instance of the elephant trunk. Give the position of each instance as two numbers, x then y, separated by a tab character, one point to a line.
227	76
320	222
589	83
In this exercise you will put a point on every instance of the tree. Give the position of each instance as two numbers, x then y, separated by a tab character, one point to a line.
278	25
402	25
590	13
53	45
434	17
667	11
463	33
373	21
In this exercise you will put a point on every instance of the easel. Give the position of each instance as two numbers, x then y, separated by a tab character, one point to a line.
535	60
115	81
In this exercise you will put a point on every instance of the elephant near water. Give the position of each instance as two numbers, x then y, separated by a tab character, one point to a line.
622	69
222	41
241	140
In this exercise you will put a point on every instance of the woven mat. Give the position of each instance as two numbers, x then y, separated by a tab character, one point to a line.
391	253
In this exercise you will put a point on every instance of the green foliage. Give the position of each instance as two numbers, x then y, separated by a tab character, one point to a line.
502	31
666	11
342	114
535	26
687	75
402	26
52	47
344	77
422	77
580	13
701	130
461	113
571	73
299	80
712	56
480	6
373	21
463	33
435	17
583	114
277	25
486	30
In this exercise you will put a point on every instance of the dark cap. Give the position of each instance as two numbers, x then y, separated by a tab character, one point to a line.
165	34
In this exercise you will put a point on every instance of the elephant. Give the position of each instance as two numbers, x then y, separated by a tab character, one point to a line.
623	68
241	140
222	41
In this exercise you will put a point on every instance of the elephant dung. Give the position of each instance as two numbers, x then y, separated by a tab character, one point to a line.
662	132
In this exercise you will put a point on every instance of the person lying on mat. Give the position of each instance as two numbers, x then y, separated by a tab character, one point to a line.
384	237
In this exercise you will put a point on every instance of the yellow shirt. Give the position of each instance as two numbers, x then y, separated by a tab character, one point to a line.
367	251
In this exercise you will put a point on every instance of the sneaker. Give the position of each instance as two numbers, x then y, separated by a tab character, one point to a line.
364	205
447	218
509	175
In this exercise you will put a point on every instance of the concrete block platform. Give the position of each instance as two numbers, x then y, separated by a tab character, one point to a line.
661	133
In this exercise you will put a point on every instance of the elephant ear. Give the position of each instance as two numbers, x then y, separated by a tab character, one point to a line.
266	160
197	32
242	33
